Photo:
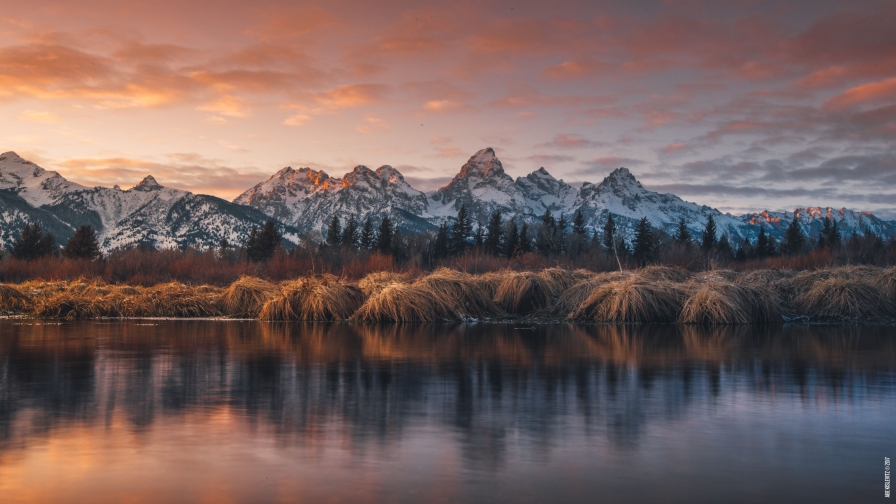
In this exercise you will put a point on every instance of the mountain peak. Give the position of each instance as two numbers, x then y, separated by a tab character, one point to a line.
484	164
621	177
148	184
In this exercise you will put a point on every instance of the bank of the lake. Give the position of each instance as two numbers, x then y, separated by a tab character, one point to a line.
654	294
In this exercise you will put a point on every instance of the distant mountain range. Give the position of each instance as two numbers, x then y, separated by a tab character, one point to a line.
303	201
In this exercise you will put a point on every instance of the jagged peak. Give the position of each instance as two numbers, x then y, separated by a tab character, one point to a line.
621	176
148	184
389	174
484	163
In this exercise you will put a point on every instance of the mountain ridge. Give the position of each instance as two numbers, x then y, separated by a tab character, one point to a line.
303	201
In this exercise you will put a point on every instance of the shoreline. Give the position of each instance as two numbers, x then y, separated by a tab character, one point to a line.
852	295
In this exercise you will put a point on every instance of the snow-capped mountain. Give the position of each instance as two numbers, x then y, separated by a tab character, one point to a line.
811	220
621	195
147	214
304	201
308	199
483	187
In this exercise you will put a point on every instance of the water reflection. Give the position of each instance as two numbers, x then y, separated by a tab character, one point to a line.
495	392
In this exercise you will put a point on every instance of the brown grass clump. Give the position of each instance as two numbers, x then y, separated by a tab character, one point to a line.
525	293
573	297
171	300
377	281
488	283
563	278
886	282
77	305
841	298
247	296
13	300
635	299
664	274
727	303
464	292
399	302
804	281
324	298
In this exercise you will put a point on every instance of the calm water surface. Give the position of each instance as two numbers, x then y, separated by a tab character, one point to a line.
209	411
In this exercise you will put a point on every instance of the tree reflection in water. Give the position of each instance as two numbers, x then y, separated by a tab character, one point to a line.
499	389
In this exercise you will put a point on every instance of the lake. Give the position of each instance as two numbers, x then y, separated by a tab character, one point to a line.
247	411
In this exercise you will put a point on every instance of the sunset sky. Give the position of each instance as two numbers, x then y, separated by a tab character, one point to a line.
742	105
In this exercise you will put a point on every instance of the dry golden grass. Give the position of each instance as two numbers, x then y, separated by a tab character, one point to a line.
377	281
172	300
634	299
12	300
489	282
76	305
764	277
664	274
841	298
728	303
461	289
886	282
400	302
563	278
525	293
324	298
804	281
246	296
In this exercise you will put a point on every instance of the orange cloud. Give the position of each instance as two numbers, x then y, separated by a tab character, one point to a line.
352	95
187	171
444	106
572	70
865	93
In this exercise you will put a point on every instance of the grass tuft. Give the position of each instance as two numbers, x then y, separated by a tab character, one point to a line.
728	303
635	300
246	296
323	298
525	293
399	302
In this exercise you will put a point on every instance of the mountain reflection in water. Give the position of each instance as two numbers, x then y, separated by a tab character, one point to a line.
254	412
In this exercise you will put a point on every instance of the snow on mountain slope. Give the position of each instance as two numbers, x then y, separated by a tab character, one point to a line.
543	192
147	214
308	199
811	220
623	196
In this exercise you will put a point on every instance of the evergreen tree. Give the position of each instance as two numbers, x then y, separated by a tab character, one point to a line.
724	247
32	243
829	236
479	237
366	241
643	249
334	232
609	238
350	233
578	224
559	241
461	231
548	219
525	243
384	236
709	235
512	243
794	239
494	234
441	248
683	234
263	243
82	245
762	244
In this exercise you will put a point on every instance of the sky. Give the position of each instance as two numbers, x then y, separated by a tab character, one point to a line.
739	104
